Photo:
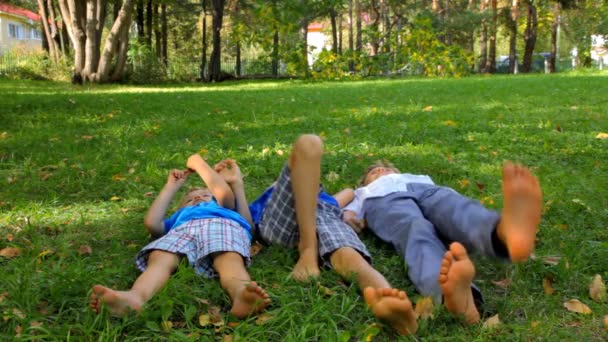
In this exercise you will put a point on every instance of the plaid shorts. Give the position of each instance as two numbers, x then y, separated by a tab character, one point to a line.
278	223
198	240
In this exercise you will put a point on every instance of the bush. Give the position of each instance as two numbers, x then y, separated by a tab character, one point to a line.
22	64
144	66
330	66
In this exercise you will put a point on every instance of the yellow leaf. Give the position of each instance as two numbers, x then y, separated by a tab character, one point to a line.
502	283
265	150
11	179
118	178
280	152
371	331
602	136
18	313
87	137
3	135
463	183
606	322
597	289
450	123
44	253
427	109
534	324
424	308
551	260
548	286
203	151
10	252
325	290
491	322
166	326
347	130
115	198
575	305
3	295
263	318
487	200
204	320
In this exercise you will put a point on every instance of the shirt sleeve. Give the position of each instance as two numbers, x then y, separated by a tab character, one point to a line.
355	206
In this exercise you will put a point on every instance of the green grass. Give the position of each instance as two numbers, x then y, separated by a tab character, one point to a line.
76	165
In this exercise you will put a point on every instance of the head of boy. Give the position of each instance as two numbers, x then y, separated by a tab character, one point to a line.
195	196
376	170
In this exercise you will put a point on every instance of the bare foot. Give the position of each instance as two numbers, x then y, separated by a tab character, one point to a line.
392	306
307	265
455	278
251	300
522	200
119	302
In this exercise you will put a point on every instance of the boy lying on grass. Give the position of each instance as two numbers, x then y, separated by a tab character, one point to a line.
296	212
420	219
214	238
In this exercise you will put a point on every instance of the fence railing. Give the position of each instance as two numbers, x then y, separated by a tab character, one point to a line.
10	63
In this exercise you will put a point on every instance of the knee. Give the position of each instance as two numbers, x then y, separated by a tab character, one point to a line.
346	260
166	259
308	146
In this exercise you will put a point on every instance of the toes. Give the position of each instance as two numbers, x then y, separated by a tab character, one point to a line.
458	251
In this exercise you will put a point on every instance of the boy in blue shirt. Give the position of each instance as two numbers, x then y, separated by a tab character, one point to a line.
206	230
295	211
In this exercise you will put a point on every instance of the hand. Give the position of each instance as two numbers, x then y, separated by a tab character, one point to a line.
177	177
230	171
194	162
351	219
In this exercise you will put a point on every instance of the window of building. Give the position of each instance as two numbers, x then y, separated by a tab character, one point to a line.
15	31
36	34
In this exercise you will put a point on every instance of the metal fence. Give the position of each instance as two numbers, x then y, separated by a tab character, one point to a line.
10	63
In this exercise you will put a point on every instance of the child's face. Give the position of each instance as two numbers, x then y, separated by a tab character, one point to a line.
197	196
378	172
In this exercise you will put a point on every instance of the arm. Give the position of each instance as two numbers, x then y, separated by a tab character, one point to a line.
157	211
344	197
216	184
230	171
351	209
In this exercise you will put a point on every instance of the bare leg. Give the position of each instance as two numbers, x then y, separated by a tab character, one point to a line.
387	304
455	278
160	266
247	297
305	167
522	211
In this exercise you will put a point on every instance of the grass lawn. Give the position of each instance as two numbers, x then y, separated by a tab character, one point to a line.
79	166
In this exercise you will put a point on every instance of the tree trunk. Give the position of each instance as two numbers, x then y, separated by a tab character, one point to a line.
76	13
48	34
334	31
140	21
340	35
204	38
164	44
375	14
238	59
387	27
358	39
91	45
554	28
148	32
513	37
351	62
483	39
530	36
491	63
116	46
157	35
275	53
215	68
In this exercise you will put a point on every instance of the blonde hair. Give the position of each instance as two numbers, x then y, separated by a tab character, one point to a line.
182	201
376	164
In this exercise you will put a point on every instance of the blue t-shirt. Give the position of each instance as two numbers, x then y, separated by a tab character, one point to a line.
257	207
204	210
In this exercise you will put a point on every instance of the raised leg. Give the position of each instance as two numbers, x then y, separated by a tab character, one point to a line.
305	167
161	265
247	296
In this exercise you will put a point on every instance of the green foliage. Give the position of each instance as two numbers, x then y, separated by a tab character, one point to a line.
27	65
427	55
144	65
183	69
330	66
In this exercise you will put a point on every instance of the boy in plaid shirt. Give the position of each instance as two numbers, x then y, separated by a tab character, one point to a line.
206	230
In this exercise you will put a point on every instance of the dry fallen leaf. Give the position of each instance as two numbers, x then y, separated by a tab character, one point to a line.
228	338
548	286
118	178
280	152
204	320
263	318
491	322
597	289
255	249
606	322
480	186
3	295
18	313
85	249
424	308
215	313
575	305
602	136
202	301
18	330
10	237
115	198
427	109
149	194
332	176
503	284
234	324
463	183
450	123
551	260
325	290
10	252
87	137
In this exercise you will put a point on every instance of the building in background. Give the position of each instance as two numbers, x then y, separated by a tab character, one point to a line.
19	29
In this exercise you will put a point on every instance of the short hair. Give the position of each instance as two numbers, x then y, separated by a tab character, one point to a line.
182	201
376	164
